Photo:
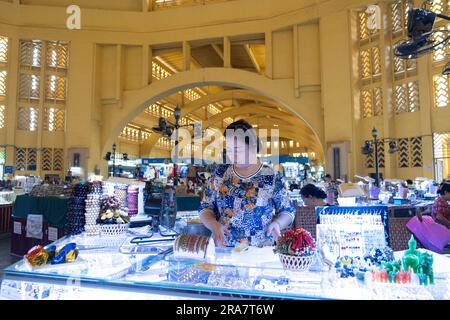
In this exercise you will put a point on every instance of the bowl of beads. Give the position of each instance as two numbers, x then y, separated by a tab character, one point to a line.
113	220
296	249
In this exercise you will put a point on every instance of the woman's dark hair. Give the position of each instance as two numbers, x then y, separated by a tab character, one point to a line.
245	126
409	181
311	190
443	189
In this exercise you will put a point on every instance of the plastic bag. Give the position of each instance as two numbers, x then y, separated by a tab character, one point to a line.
432	235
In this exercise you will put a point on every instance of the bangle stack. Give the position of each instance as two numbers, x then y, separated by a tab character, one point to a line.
192	245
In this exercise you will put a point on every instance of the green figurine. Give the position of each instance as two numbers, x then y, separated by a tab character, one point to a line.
411	256
426	267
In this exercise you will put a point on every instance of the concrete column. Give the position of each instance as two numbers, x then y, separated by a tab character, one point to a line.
226	52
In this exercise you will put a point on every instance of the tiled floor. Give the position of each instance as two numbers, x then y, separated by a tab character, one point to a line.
5	259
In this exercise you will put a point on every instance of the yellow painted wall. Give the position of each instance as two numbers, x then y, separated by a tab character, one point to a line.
310	69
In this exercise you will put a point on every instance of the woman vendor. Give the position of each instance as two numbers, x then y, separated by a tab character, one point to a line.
440	210
245	201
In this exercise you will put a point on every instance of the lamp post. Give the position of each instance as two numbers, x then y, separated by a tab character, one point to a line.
377	168
114	159
177	116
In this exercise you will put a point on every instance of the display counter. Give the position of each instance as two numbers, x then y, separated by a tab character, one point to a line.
395	218
113	268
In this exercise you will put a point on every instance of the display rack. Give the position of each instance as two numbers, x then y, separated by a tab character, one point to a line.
253	274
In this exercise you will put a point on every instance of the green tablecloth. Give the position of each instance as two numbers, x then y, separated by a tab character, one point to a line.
54	209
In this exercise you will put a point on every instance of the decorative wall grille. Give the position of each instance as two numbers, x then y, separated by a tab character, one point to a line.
20	158
406	97
47	159
26	159
416	152
371	102
31	159
29	87
2	115
57	54
54	119
55	88
58	159
403	153
27	118
159	72
3	49
381	159
30	53
441	90
3	75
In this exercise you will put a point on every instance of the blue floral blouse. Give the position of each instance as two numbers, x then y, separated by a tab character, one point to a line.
246	205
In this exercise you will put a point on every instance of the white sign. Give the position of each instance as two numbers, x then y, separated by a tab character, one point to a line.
17	228
52	234
34	226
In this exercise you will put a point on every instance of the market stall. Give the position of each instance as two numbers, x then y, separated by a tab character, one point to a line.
114	267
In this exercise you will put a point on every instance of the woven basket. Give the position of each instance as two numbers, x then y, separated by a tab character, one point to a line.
113	229
295	263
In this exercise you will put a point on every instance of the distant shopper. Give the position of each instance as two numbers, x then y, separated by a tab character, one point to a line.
313	196
441	209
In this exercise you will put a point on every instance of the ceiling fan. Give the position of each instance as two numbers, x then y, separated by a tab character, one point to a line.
422	35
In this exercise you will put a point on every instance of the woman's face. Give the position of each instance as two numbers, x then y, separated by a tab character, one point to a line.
240	153
446	196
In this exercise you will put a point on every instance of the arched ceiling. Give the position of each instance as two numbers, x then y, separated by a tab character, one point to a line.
228	104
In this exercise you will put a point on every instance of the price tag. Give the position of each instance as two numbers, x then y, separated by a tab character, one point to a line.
52	234
34	226
17	228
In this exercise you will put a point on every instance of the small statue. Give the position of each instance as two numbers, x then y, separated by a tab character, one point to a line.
426	267
411	256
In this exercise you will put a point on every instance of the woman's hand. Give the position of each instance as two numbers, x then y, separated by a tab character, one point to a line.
274	230
218	232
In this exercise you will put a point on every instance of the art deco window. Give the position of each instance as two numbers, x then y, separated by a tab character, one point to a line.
43	64
52	159
3	49
57	55
441	90
26	159
27	118
410	153
30	53
3	78
131	134
58	159
406	97
404	72
440	57
55	88
2	116
370	68
54	119
3	75
29	87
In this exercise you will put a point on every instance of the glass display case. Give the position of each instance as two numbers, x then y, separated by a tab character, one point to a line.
114	267
7	197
